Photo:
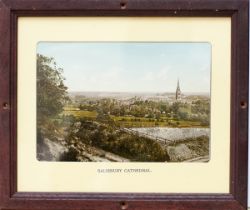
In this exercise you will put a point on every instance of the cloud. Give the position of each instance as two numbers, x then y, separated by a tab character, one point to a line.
93	79
149	76
206	80
112	74
161	75
103	80
205	68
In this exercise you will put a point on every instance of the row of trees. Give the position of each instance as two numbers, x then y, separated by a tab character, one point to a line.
198	110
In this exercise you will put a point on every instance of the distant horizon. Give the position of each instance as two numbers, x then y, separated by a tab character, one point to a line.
137	92
132	66
100	91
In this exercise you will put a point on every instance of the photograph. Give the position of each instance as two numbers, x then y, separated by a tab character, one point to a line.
123	101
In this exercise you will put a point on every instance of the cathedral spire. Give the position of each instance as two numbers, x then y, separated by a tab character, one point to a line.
178	84
178	91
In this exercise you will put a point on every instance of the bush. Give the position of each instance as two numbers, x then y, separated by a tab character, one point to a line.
70	155
124	144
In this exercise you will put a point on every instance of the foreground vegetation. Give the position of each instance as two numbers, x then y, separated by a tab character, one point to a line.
130	146
188	149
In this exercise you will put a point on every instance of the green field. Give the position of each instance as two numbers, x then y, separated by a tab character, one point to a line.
147	122
80	113
130	121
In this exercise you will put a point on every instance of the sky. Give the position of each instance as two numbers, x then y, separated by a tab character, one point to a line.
132	66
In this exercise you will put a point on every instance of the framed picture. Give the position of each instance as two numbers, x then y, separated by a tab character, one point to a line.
123	104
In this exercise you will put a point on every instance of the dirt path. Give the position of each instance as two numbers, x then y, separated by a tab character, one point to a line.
94	154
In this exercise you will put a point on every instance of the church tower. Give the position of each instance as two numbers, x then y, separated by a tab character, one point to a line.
178	91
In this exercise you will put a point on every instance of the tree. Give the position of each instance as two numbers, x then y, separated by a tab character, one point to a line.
51	91
182	115
175	108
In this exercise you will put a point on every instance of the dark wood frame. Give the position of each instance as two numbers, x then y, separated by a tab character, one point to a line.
10	10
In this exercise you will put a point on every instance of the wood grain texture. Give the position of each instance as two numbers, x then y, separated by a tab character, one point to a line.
5	84
239	114
10	10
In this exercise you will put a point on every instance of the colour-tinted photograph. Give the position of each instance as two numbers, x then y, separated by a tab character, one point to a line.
123	101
